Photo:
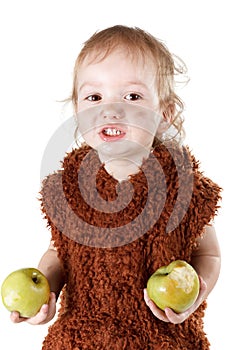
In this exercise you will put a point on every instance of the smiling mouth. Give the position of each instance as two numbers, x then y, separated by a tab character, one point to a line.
111	133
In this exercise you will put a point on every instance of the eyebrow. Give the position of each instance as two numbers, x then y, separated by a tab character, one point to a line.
136	82
127	83
89	84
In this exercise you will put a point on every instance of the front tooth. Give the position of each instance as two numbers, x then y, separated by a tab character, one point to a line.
112	132
107	131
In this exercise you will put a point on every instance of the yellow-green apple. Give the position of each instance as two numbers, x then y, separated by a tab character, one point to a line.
25	290
175	286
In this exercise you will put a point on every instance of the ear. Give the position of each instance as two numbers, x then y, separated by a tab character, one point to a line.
167	113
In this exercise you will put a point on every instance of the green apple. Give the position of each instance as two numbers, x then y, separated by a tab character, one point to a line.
175	286
25	291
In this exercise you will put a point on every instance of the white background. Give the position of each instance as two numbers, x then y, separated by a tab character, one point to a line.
39	43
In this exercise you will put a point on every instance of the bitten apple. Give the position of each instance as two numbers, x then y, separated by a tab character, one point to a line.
25	290
175	286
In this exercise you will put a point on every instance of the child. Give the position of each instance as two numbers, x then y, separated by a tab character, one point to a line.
129	200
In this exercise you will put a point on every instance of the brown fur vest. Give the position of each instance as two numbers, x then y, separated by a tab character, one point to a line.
112	236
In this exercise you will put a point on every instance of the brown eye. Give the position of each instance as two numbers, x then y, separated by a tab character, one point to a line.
132	97
93	98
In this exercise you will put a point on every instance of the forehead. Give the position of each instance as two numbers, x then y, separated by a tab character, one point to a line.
116	68
121	54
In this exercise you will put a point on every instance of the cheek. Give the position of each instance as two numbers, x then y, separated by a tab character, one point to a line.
92	138
89	137
142	136
146	130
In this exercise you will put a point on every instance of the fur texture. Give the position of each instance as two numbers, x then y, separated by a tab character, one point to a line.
111	237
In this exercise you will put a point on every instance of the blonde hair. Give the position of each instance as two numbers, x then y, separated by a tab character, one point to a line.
140	43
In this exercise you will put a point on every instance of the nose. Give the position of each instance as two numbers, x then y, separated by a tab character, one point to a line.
112	111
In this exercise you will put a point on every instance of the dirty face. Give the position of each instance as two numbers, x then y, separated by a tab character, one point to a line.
118	113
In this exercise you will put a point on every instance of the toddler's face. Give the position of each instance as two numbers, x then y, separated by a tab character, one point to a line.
118	105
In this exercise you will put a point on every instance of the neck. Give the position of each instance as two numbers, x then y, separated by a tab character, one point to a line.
122	168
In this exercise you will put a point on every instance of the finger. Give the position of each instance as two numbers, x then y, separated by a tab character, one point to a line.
168	315
15	317
46	311
175	318
180	317
52	305
52	298
202	294
146	296
203	285
40	316
154	309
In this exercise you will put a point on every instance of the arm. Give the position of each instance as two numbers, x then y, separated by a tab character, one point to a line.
206	261
50	266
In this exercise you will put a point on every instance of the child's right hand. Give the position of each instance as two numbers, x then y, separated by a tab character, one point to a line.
46	313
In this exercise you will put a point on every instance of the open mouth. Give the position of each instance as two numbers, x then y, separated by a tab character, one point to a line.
111	133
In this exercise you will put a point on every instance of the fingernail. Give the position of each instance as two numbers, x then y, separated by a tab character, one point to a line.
147	300
54	296
44	308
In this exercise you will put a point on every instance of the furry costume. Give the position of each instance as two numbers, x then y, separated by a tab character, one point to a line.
102	305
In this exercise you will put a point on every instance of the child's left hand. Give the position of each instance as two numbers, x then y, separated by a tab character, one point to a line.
169	315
